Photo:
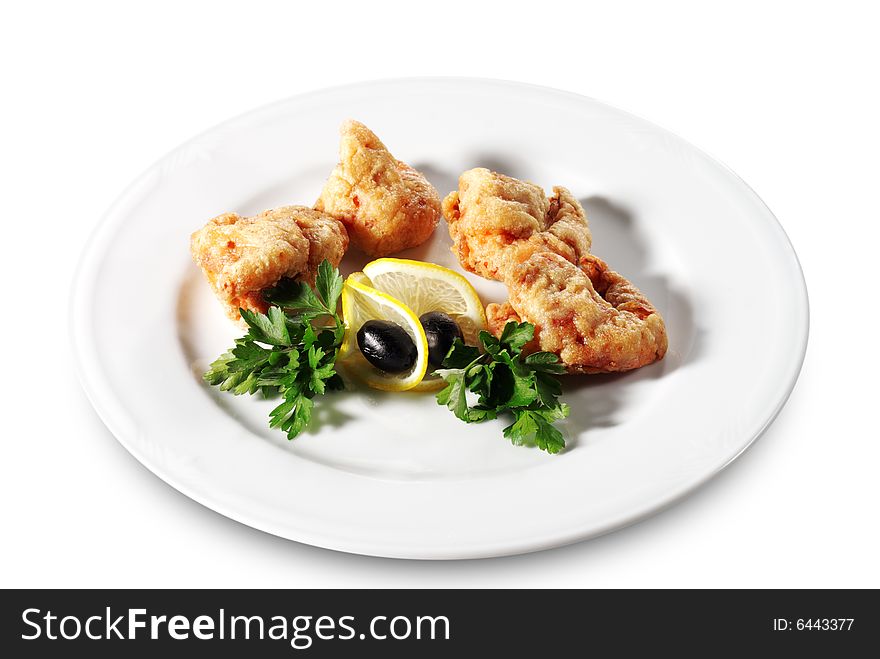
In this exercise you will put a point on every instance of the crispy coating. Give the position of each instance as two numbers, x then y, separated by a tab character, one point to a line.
589	315
497	222
385	204
241	256
327	236
595	325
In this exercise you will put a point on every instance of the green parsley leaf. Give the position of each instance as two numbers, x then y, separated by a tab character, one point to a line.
309	336
523	393
267	328
490	343
547	389
523	429
548	438
296	296
480	378
328	284
293	415
533	426
454	395
556	413
225	374
248	355
460	355
516	335
479	414
299	362
315	354
319	378
546	362
506	382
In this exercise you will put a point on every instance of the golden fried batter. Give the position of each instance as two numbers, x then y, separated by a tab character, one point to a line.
594	326
385	204
241	256
327	236
497	222
583	311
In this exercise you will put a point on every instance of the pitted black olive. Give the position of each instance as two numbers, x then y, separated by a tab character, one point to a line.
441	331
387	346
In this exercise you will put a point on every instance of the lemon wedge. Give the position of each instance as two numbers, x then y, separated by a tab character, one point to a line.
360	303
426	287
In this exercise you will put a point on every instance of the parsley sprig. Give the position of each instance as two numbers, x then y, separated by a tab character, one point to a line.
290	351
503	380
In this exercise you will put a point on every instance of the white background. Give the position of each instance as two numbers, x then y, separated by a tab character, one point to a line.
786	94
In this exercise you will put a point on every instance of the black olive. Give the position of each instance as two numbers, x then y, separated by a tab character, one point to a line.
441	331
387	346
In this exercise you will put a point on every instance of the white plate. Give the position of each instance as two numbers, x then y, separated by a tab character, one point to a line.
395	474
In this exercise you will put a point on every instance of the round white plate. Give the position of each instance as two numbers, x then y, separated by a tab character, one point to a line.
396	474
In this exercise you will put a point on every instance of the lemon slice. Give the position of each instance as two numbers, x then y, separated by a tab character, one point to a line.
425	287
360	303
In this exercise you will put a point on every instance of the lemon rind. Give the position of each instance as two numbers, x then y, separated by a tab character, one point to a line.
385	384
474	297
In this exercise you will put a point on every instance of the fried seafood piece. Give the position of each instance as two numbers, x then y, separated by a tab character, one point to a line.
385	204
242	256
497	222
589	315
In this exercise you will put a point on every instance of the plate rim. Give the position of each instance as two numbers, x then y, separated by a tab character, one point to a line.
103	401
